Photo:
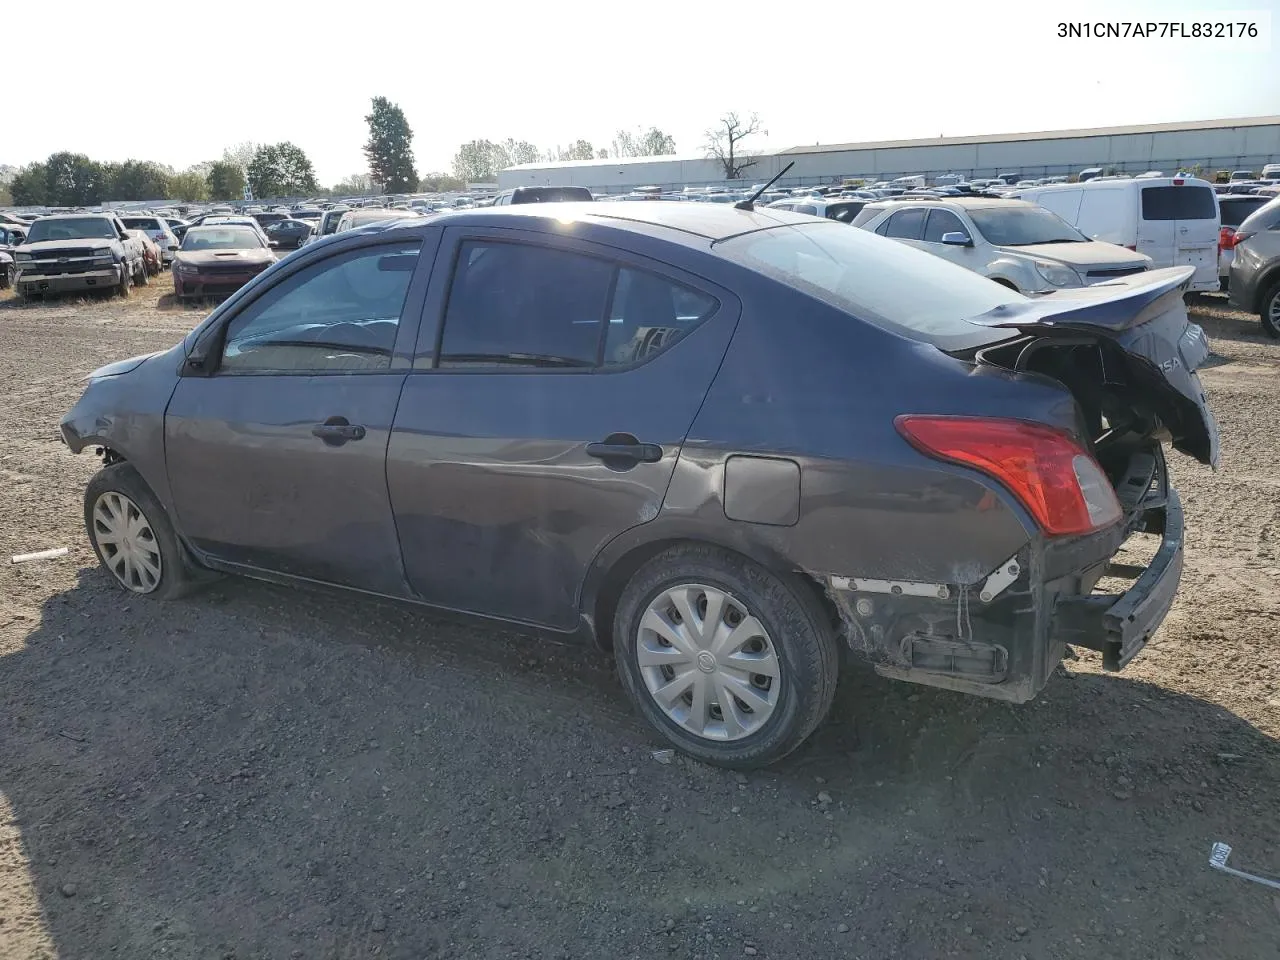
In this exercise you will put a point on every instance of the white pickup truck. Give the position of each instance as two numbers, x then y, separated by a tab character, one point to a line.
78	251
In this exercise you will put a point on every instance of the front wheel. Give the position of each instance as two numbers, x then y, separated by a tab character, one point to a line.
10	276
1270	312
729	662
126	280
132	535
143	276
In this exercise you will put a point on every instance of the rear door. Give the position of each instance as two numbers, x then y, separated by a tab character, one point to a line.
1181	219
548	419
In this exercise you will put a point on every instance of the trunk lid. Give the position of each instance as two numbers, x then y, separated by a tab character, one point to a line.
1126	350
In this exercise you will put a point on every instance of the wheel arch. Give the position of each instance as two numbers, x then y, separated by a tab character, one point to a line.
618	561
1269	278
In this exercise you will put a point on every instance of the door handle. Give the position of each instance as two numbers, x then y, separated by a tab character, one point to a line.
336	431
621	450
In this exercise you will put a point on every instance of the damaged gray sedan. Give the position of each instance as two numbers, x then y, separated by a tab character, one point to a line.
727	444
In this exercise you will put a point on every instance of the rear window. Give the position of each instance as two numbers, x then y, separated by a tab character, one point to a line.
1235	211
1178	203
1267	218
884	282
141	223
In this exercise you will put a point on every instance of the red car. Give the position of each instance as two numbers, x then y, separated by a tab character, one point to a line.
219	260
151	254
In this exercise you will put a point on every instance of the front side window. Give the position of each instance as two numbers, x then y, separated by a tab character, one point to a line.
522	305
942	222
340	315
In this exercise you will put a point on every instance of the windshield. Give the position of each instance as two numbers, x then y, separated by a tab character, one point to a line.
877	280
140	223
221	238
1022	226
72	228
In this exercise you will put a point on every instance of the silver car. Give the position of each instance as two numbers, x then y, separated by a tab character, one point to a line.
1018	244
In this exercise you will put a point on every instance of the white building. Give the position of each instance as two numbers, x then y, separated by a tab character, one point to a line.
1233	144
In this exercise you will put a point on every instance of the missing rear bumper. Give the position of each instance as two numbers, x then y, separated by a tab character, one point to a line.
1119	625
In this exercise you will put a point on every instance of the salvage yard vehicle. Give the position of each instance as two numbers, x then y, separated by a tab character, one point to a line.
588	419
1255	267
841	209
218	260
1018	244
289	234
1234	210
1172	220
160	232
150	254
80	251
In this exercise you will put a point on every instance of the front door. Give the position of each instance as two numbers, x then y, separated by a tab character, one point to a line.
277	458
551	419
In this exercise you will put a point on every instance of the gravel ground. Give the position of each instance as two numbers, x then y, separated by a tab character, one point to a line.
259	772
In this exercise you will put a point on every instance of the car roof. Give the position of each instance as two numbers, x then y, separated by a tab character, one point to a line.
711	221
74	216
963	203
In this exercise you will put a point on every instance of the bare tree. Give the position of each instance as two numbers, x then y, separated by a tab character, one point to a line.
724	142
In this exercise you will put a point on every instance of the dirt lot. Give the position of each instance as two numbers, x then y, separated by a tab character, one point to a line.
260	772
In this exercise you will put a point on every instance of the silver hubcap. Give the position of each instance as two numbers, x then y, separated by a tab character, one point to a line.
127	542
1274	310
707	662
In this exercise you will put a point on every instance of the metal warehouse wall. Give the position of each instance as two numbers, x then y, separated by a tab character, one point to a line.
1215	148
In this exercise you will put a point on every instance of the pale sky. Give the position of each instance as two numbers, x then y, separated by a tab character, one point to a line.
553	71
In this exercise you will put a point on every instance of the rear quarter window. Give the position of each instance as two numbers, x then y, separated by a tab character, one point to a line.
1178	203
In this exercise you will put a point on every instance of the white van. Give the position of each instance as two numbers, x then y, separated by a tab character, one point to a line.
1173	220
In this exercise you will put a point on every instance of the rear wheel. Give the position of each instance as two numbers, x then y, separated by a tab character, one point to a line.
143	276
729	662
132	535
1270	311
10	275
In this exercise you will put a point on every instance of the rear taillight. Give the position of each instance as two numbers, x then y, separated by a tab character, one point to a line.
1240	237
1055	478
1131	246
1226	238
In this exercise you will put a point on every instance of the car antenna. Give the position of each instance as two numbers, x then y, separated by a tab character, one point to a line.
750	202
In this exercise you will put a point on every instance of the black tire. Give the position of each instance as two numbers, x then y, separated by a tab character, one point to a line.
1269	311
799	629
10	277
143	276
177	574
126	281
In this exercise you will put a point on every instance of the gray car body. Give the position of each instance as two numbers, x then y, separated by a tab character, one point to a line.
1255	266
472	491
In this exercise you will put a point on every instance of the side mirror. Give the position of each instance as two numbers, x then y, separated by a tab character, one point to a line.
957	239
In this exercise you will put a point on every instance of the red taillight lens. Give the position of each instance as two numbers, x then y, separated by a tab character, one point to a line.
1226	238
1046	469
1132	246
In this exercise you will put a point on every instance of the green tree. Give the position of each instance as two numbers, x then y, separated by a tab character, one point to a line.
479	161
137	180
389	148
643	143
356	185
30	186
440	183
281	170
511	152
724	143
6	196
189	185
74	180
241	154
225	181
